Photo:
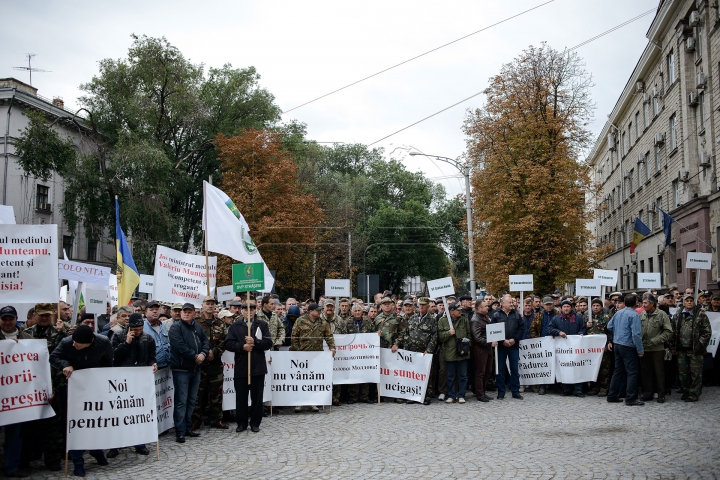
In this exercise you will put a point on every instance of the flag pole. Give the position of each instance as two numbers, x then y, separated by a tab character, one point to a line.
248	330
207	260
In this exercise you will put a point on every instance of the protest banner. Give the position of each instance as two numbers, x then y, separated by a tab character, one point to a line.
29	267
180	277
113	291
95	300
608	278
229	397
7	214
111	408
648	281
714	336
301	378
357	358
587	287
225	293
404	374
441	287
537	365
247	277
496	333
164	399
337	288
522	284
146	283
25	381
83	272
699	261
577	358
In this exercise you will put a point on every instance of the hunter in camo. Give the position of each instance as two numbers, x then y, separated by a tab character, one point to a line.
421	334
336	325
390	326
691	336
599	327
357	324
277	330
211	371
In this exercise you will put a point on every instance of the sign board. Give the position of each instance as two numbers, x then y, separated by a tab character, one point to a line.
715	332
225	293
578	357
495	332
95	301
699	261
301	378
180	277
247	277
113	291
537	365
29	267
648	280
146	283
587	287
337	287
441	287
164	399
357	359
404	374
7	214
521	283
83	272
608	278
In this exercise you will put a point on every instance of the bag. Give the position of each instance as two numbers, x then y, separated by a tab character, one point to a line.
462	346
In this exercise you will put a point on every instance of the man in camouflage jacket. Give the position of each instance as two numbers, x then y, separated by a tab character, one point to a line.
598	326
421	335
267	314
390	327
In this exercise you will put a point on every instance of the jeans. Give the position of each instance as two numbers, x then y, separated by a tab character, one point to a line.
626	363
13	448
512	354
574	388
186	388
459	368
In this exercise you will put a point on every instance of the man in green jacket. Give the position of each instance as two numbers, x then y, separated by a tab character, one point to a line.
690	339
656	331
455	363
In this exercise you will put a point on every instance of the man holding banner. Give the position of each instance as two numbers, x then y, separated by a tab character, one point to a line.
358	324
509	349
420	335
568	323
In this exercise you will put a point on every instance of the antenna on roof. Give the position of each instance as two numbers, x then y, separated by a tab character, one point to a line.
29	68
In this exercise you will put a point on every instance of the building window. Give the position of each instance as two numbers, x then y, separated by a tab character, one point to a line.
673	133
675	193
42	198
650	219
646	114
650	265
701	110
92	250
68	242
631	178
628	234
638	131
671	67
641	216
648	166
660	269
641	173
642	266
657	158
622	145
630	135
656	106
698	42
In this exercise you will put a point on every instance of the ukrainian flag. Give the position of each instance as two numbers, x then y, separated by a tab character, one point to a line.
640	231
128	277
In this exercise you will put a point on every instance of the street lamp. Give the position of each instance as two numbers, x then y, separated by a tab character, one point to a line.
465	170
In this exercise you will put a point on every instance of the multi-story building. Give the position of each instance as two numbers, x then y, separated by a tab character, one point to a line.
658	150
37	201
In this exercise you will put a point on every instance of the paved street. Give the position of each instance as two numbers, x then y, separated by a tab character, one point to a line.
539	437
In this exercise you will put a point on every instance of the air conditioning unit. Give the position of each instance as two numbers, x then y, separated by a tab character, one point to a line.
704	159
701	80
611	141
627	175
690	44
641	158
692	99
633	268
640	86
633	257
659	138
694	18
651	207
655	92
660	248
683	175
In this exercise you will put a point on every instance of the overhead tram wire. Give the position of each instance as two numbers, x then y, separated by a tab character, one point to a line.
627	22
417	56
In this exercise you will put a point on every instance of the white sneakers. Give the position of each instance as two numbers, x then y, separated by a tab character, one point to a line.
450	400
461	400
441	397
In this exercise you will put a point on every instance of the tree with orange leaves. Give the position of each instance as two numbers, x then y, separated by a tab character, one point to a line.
529	183
261	179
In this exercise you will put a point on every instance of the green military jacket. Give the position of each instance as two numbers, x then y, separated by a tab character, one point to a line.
700	328
349	326
392	330
599	326
308	336
49	333
277	330
447	341
656	330
215	331
421	333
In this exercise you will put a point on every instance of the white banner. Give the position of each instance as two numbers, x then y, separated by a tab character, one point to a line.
587	287
608	278
537	365
715	325
25	380
521	283
647	281
302	378
111	408
404	374
29	267
180	277
225	293
164	399
441	287
699	261
95	301
83	272
337	288
577	358
495	332
7	214
357	359
229	396
146	283
113	291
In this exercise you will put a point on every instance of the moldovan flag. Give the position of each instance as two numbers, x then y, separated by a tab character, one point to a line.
640	231
226	231
128	277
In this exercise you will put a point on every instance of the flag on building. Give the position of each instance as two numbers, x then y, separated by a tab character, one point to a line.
128	277
227	232
667	221
640	231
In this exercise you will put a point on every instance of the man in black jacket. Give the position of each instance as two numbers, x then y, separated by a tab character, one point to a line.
241	343
84	349
510	348
189	346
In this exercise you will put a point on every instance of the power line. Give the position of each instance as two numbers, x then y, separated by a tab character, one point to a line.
475	95
416	57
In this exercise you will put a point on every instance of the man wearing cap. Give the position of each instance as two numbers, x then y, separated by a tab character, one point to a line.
689	342
84	349
267	314
209	396
390	327
656	332
420	334
598	326
509	349
160	334
175	311
308	334
456	354
189	347
714	304
257	341
614	297
226	316
568	323
293	313
356	323
337	326
628	348
540	327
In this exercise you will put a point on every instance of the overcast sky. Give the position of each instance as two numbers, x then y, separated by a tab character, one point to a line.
304	49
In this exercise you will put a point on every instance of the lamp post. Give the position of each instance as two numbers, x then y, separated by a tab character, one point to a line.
465	170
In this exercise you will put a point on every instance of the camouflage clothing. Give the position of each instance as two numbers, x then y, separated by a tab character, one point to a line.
49	333
366	326
392	328
691	336
359	391
308	336
277	330
420	333
599	327
211	374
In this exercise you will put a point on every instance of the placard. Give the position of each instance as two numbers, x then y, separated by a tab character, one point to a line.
537	362
608	278
302	378
113	291
699	261
495	332
146	283
404	374
521	283
248	277
111	408
587	287
180	277
441	287
225	293
715	335
29	267
229	396
164	399
95	301
83	272
357	358
26	384
648	280
337	287
578	357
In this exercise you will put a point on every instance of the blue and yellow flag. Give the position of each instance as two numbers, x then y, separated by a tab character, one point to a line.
640	231
128	277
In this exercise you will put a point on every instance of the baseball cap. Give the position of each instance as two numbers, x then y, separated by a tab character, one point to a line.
43	308
188	306
5	311
328	302
423	301
314	306
209	298
152	303
547	300
386	300
408	302
686	296
454	306
177	306
224	313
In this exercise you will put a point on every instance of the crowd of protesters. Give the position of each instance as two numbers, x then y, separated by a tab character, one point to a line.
655	344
